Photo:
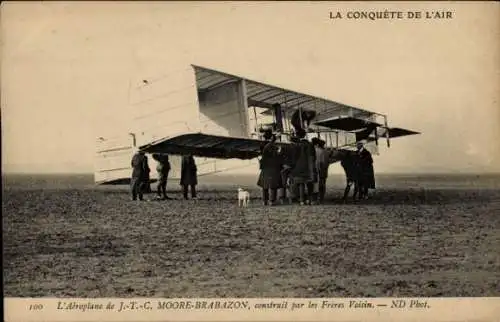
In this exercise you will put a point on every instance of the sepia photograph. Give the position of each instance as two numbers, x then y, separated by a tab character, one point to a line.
250	149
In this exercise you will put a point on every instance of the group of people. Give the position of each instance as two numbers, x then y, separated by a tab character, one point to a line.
300	170
141	175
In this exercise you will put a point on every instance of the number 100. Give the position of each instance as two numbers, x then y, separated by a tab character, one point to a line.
34	307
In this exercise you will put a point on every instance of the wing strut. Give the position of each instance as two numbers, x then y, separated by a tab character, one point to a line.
255	116
387	131
287	123
300	115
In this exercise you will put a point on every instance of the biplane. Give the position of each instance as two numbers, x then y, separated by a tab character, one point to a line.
218	117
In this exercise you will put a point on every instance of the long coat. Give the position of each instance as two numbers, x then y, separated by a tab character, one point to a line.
188	171
140	167
304	166
366	173
271	165
163	166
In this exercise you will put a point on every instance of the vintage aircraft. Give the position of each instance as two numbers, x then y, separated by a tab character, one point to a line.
217	117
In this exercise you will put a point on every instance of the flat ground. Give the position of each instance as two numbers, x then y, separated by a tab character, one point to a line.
415	237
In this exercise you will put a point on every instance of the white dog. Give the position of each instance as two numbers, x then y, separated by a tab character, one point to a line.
243	198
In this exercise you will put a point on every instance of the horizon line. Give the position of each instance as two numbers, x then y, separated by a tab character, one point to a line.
250	174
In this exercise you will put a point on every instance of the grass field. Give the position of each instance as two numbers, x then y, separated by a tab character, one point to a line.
417	236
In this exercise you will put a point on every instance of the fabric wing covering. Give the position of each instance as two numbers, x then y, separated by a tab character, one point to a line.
223	147
208	146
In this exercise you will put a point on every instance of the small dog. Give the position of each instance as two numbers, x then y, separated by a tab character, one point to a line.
243	198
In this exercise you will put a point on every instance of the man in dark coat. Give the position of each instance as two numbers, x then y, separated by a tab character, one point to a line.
287	186
189	176
140	174
322	165
303	171
366	173
147	177
289	162
270	178
163	168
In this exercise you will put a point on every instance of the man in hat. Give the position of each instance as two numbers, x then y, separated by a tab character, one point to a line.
270	176
303	171
163	168
322	165
140	174
366	173
189	177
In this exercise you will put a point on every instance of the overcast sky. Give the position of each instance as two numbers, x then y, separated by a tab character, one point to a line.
66	69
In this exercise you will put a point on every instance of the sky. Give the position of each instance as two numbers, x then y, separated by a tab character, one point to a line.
66	68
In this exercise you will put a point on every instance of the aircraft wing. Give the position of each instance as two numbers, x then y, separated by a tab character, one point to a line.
208	146
224	147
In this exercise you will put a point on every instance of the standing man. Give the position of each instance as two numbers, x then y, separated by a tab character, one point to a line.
290	188
140	174
271	163
322	165
286	184
366	173
147	176
163	168
189	176
303	171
